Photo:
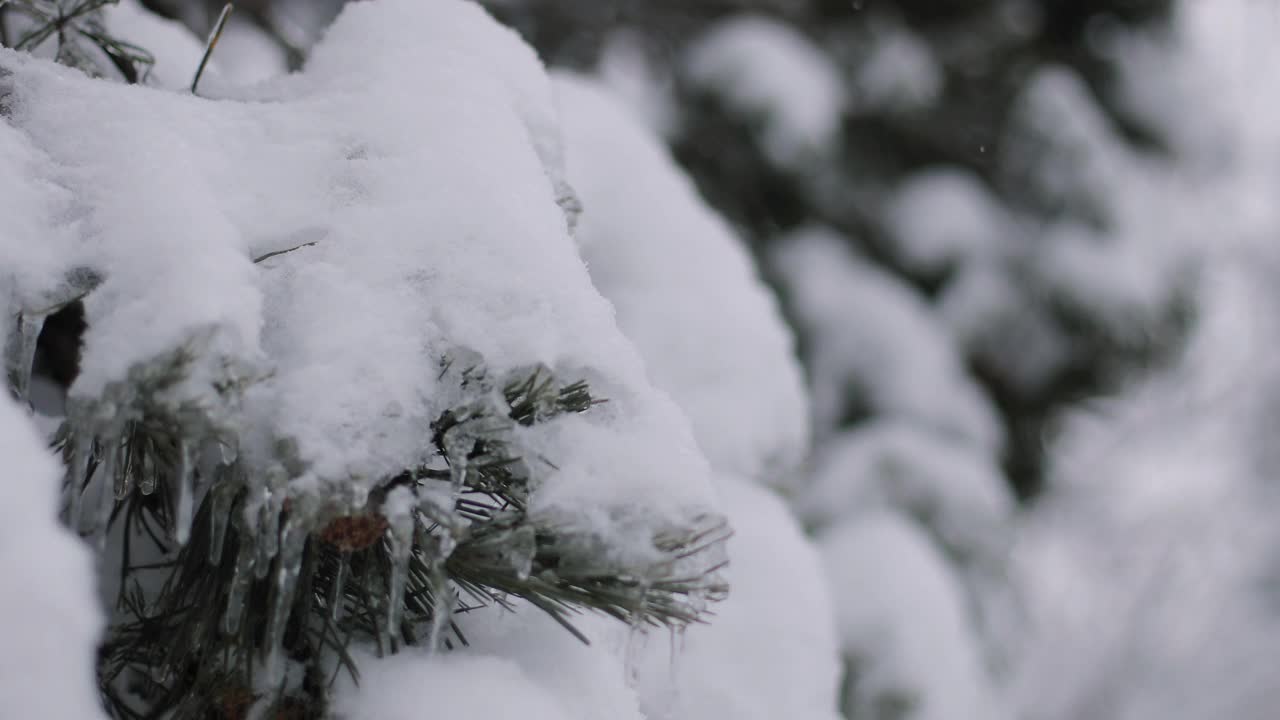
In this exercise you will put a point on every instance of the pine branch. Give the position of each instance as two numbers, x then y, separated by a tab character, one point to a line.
238	602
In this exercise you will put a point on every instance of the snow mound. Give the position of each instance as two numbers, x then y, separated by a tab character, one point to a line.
684	290
52	619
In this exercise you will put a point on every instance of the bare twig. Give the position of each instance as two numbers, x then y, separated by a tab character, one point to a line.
211	44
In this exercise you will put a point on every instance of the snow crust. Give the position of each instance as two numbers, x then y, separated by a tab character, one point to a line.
52	620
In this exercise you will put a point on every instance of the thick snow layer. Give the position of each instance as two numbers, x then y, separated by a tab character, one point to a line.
762	67
952	490
942	217
875	342
684	290
49	616
416	222
412	686
903	625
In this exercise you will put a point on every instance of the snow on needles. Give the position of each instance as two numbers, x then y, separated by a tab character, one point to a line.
52	616
410	183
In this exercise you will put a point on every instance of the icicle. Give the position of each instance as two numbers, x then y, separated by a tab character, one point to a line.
222	494
441	607
634	653
124	478
339	584
673	669
398	509
77	476
21	354
186	480
288	566
147	484
240	582
106	498
269	519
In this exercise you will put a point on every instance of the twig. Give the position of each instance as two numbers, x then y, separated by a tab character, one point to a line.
275	253
211	44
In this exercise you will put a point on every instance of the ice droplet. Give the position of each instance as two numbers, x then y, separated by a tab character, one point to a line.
186	480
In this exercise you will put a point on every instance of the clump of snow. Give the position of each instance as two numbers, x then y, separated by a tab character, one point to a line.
396	244
1116	248
875	341
949	488
51	616
904	628
684	290
898	74
943	217
764	68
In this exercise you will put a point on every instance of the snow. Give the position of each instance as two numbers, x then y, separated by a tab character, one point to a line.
904	627
1121	249
405	245
177	53
900	72
1150	572
761	67
411	685
770	650
951	489
684	290
52	620
874	340
943	217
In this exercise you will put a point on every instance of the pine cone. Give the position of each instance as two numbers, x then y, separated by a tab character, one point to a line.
354	532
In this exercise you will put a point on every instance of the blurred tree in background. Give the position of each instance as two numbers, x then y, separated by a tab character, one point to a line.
966	216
